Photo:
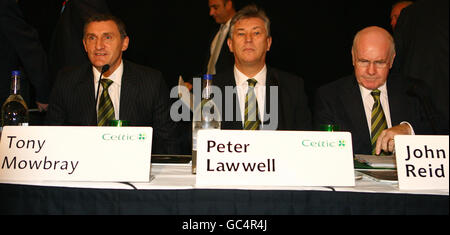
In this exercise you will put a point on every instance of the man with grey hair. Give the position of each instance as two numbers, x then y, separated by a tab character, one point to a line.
372	104
264	97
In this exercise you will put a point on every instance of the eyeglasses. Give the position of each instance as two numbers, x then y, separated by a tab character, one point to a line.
378	64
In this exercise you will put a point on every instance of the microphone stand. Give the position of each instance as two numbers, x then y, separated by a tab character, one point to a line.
104	69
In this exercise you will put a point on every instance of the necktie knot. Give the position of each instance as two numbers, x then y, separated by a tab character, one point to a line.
252	82
106	83
376	94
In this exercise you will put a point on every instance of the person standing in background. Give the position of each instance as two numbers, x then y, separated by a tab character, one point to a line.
397	10
422	41
20	47
220	56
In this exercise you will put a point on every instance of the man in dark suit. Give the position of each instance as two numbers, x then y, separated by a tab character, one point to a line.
282	108
396	10
138	94
422	45
350	102
20	47
220	58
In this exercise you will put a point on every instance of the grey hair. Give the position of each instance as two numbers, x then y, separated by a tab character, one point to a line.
250	11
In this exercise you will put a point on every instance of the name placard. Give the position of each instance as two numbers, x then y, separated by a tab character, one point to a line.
422	162
106	154
274	158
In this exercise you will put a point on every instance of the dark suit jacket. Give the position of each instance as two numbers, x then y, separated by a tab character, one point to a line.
144	101
340	103
20	47
422	45
293	110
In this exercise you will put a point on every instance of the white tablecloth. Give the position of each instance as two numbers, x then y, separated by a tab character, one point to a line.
179	177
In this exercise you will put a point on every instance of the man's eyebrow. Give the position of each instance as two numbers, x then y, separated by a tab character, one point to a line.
256	27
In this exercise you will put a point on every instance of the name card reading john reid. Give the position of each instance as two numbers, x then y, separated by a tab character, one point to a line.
274	158
108	154
422	162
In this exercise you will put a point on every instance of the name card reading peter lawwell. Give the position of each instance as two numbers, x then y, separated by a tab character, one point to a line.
274	158
109	154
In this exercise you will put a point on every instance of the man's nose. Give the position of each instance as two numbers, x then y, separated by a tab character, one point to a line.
371	69
248	37
99	44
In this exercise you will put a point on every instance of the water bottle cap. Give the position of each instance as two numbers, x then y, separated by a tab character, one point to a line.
208	76
15	73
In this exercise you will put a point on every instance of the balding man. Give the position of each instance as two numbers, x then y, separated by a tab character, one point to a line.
371	104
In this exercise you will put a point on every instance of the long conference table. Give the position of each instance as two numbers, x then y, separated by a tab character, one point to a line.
172	191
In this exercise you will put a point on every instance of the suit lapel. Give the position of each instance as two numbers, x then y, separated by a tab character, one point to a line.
128	93
271	81
354	107
396	101
87	112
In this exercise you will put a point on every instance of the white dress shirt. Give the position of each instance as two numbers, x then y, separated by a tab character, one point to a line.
260	91
114	88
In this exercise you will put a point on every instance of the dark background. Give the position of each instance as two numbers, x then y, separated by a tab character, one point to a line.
310	38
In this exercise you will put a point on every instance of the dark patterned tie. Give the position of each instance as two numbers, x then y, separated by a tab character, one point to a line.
105	108
378	119
251	118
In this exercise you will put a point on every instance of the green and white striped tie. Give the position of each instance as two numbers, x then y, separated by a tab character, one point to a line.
251	118
378	119
105	108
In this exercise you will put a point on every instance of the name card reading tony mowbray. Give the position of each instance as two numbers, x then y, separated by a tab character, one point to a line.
108	154
274	158
422	162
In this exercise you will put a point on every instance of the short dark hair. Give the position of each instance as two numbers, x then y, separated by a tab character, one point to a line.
107	17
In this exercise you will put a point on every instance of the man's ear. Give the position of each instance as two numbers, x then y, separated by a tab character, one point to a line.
230	44
353	57
84	44
269	43
125	43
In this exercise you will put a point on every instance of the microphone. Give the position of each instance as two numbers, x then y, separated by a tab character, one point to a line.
104	69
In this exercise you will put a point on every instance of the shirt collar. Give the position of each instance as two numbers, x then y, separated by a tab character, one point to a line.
116	76
366	92
241	79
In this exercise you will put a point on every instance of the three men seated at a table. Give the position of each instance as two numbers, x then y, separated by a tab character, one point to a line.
365	103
